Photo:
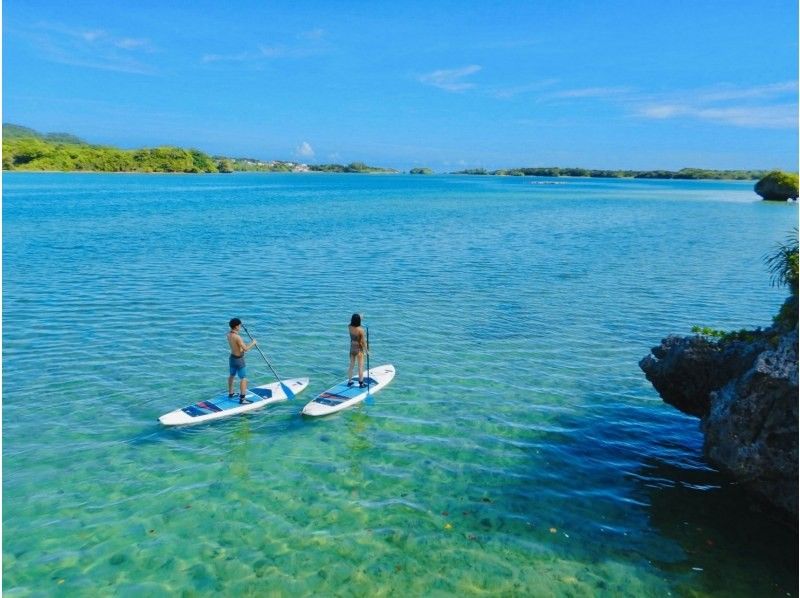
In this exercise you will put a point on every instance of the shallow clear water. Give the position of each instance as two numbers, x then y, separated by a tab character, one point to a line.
519	450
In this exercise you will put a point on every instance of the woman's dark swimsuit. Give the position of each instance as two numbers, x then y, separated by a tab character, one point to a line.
355	344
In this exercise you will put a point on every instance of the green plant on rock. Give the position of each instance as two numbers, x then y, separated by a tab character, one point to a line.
708	331
724	336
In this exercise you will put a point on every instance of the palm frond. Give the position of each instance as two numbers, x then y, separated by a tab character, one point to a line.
782	263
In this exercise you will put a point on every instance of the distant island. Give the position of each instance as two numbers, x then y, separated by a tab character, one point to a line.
255	165
30	150
684	173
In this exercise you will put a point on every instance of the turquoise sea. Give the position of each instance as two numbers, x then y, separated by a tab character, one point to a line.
519	451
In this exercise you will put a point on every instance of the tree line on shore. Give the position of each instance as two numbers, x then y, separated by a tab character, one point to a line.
684	173
27	149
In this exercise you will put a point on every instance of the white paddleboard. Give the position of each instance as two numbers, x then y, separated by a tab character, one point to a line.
223	406
342	396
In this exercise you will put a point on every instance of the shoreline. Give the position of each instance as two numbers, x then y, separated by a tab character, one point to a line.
549	180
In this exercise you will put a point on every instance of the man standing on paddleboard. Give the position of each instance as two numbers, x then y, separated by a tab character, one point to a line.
236	360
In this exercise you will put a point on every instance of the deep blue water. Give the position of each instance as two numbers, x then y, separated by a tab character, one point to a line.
519	450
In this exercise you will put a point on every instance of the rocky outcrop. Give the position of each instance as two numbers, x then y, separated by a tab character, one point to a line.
777	186
685	370
746	396
751	429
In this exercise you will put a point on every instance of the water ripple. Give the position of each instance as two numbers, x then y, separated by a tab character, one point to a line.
519	451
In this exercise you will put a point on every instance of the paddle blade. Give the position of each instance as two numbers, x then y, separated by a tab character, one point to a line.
369	400
288	391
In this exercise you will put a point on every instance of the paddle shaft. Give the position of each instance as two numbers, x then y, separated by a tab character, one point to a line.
367	327
289	393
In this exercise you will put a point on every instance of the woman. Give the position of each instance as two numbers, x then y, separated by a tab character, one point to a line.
358	346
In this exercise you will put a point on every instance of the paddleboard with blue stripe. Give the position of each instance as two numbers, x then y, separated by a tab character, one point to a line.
342	396
222	406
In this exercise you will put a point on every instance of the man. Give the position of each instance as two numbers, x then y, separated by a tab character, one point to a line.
236	360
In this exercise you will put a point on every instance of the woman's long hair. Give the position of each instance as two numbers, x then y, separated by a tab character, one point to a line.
355	320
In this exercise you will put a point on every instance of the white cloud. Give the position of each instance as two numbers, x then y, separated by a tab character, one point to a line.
305	150
591	92
504	93
272	51
305	44
241	57
266	52
130	43
728	92
781	116
91	48
100	37
317	33
91	36
778	116
770	106
451	80
662	111
282	51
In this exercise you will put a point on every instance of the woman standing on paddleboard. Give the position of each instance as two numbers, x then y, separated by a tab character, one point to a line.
358	346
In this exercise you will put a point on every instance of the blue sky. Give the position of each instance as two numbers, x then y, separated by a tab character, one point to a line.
613	84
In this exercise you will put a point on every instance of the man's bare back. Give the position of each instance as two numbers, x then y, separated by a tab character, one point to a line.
236	343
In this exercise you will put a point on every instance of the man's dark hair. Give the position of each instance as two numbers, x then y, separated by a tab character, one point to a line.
234	323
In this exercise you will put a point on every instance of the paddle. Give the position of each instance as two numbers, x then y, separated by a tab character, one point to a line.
369	399
286	389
